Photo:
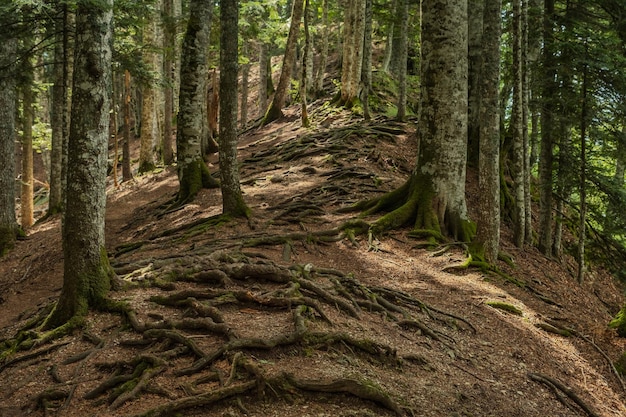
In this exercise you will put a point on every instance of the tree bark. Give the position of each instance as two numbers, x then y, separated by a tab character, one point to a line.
275	110
8	224
232	199
352	61
171	46
149	114
517	154
547	119
402	54
245	81
488	227
86	273
321	69
434	197
475	48
304	79
366	73
263	74
127	173
193	174
27	180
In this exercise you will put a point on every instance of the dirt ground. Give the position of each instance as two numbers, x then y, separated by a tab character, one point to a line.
288	314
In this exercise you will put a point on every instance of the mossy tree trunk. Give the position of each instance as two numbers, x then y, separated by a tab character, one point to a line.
488	228
475	49
306	68
352	61
86	273
275	111
402	53
170	48
193	174
366	72
127	173
321	69
8	223
232	199
433	199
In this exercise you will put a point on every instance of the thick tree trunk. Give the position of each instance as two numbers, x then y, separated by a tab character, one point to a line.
488	227
127	173
304	79
517	154
352	61
87	274
275	110
389	39
263	74
8	223
193	174
434	197
475	48
232	199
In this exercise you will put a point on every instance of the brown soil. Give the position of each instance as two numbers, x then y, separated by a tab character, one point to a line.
297	318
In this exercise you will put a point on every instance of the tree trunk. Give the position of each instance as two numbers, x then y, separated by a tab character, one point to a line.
87	274
8	224
475	48
389	39
149	114
547	119
127	173
275	110
582	189
321	70
27	180
434	197
58	113
488	227
245	80
263	74
366	73
304	79
528	230
171	45
402	53
517	154
232	199
352	61
193	174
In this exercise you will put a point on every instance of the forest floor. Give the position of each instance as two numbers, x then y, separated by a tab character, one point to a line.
291	314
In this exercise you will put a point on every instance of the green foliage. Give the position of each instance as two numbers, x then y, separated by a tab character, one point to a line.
619	322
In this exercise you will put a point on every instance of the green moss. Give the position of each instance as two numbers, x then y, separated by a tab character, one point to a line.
619	322
193	177
620	364
7	239
505	307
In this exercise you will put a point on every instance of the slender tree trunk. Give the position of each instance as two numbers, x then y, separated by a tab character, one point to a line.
127	173
366	73
402	51
263	74
528	230
167	144
232	198
149	114
545	157
475	48
8	224
245	87
213	110
57	122
389	39
582	189
86	273
304	81
488	227
27	181
321	70
517	119
275	110
193	174
352	61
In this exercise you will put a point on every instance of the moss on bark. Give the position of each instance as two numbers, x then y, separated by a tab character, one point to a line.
7	238
194	176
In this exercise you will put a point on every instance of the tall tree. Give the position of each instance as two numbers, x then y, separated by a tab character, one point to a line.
321	69
193	174
170	48
401	49
275	111
517	155
149	113
86	271
306	66
28	119
8	55
474	51
232	199
366	73
433	199
352	61
488	227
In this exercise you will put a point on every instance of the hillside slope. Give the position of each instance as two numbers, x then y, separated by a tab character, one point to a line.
292	314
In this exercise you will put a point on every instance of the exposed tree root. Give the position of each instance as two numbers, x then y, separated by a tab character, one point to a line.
560	389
